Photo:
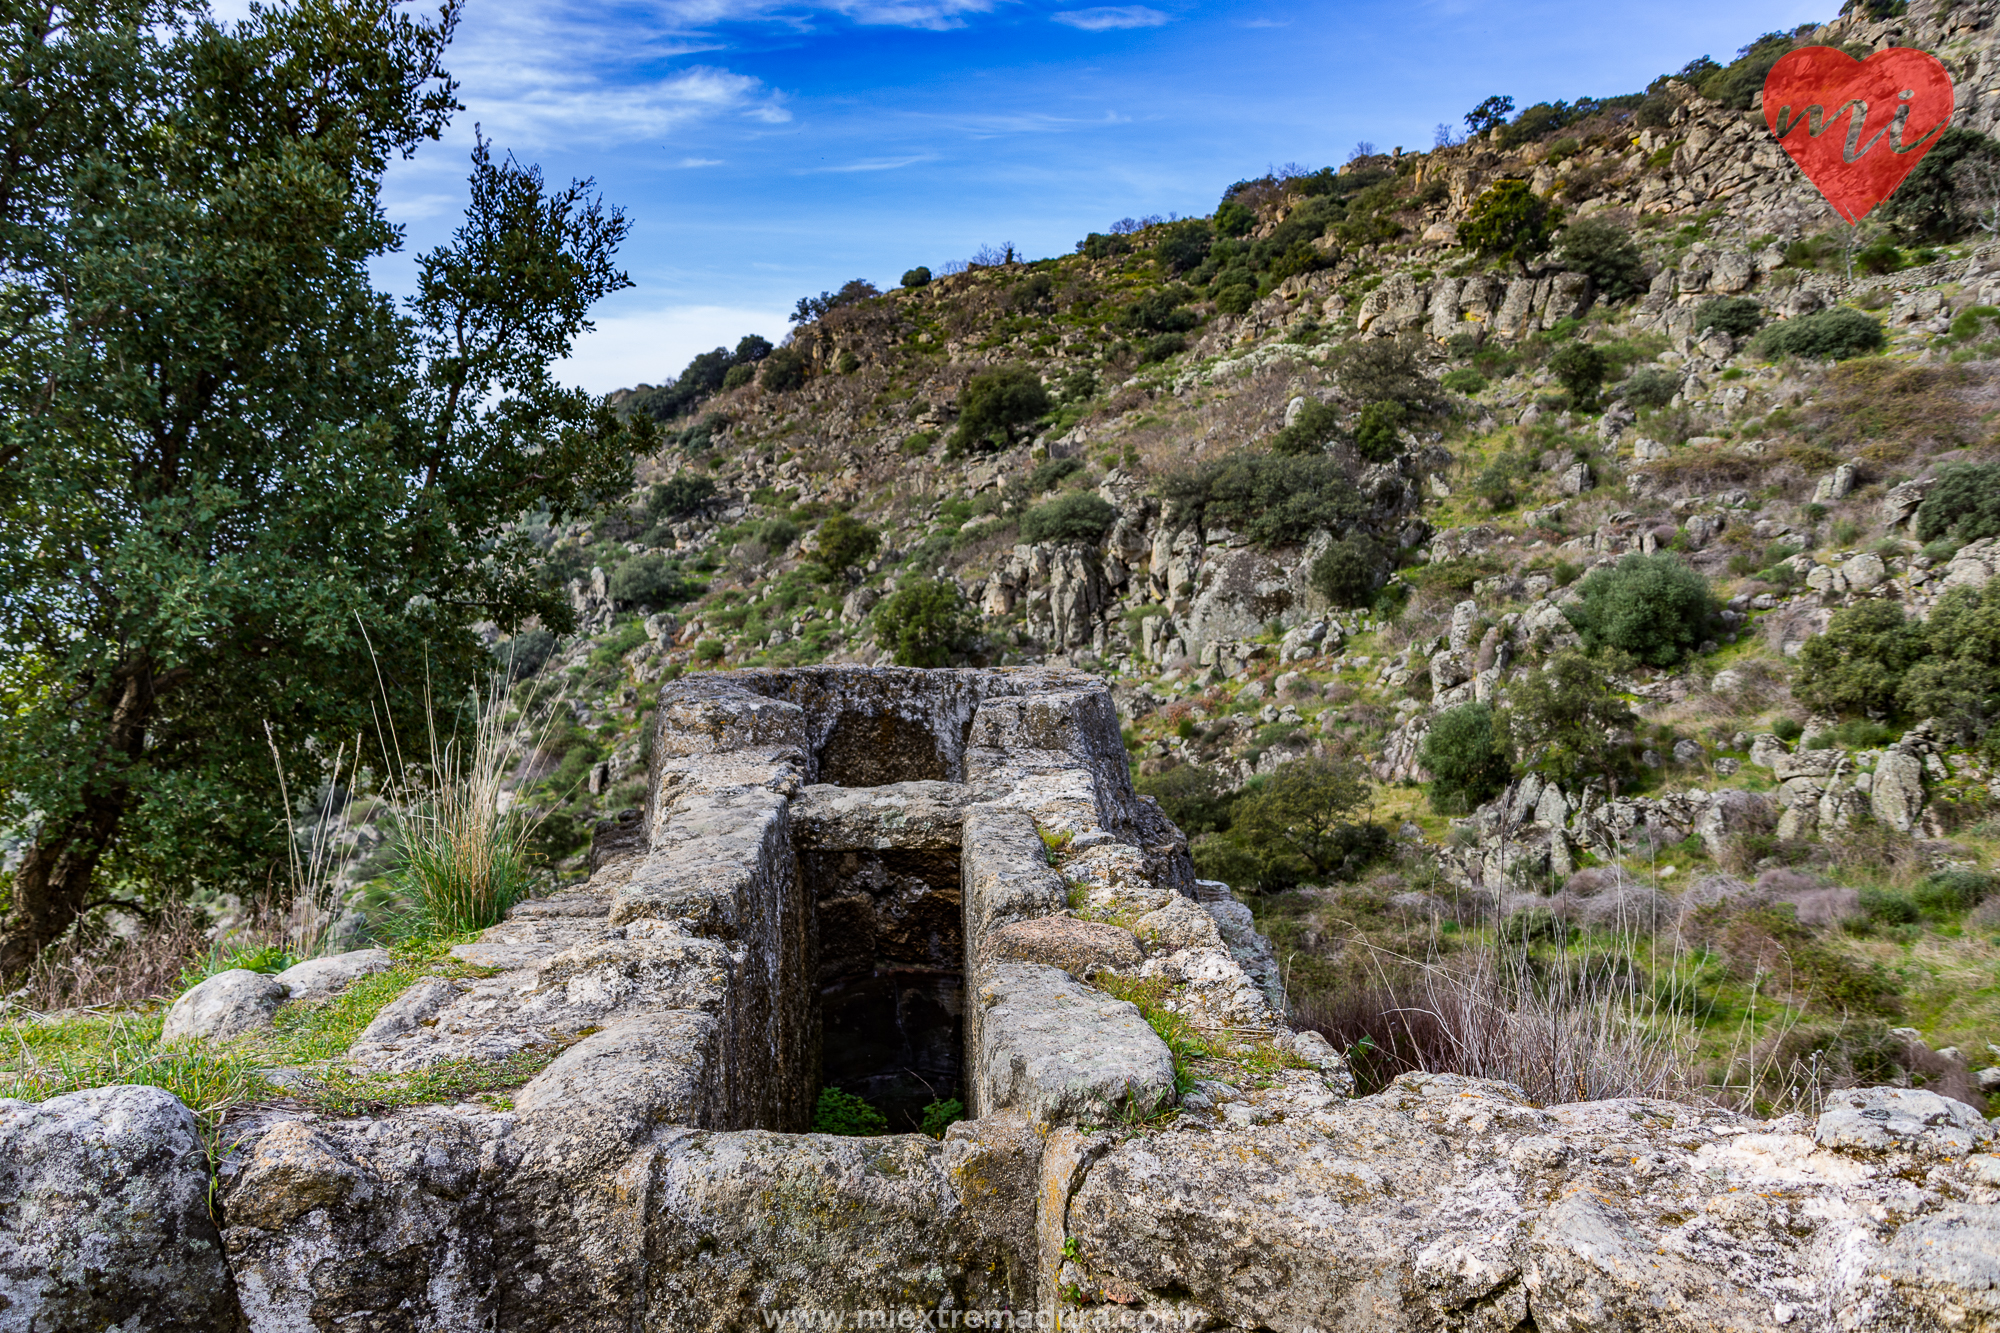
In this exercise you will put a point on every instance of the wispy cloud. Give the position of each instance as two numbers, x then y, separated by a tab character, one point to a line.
699	162
1108	17
870	164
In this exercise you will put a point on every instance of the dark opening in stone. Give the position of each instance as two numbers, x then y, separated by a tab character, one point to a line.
892	977
874	750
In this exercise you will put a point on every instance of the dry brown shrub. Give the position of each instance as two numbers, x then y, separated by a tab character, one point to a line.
1711	467
1886	410
97	968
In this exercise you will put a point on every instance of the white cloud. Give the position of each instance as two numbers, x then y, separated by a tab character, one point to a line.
647	347
699	162
870	164
1108	17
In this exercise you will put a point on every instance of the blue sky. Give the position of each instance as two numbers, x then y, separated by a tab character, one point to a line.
766	150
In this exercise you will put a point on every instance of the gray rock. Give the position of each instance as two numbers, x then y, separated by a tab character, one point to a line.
1901	1120
318	978
1897	792
1576	479
228	1004
104	1219
1060	1051
621	1083
407	1012
1864	572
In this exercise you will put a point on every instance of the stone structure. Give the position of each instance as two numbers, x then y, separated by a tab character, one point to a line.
901	883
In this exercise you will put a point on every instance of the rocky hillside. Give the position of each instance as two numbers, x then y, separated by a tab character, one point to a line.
1303	477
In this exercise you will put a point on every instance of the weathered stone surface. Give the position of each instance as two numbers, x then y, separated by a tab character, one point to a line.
1061	1051
1007	875
634	1076
1079	948
903	814
104	1218
227	1004
1897	793
317	978
1909	1121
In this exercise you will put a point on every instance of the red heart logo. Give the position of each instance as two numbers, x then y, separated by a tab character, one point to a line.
1857	127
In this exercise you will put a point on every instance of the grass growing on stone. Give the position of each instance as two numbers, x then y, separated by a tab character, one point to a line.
43	1058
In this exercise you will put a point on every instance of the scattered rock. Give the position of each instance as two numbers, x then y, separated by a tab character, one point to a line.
228	1004
318	978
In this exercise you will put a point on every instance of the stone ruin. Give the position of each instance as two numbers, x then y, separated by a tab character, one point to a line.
899	882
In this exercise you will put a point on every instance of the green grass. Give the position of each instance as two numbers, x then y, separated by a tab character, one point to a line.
39	1060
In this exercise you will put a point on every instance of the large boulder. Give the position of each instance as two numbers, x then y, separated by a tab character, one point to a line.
228	1004
318	978
104	1219
1897	791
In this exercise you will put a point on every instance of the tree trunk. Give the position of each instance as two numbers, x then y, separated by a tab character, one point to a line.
52	884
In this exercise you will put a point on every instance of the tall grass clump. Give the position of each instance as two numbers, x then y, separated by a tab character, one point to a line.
463	856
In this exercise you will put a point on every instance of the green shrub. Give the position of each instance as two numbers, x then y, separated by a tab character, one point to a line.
1161	346
844	542
1272	500
1533	924
1236	298
1297	826
843	1113
1651	606
1097	245
1949	892
1182	245
1234	219
1386	370
1051	471
939	1116
1957	678
1737	316
1580	369
682	493
1510	222
917	277
1162	310
1839	333
996	404
526	653
1196	799
1964	504
1879	258
783	370
1603	249
1375	430
1463	380
924	622
1858	664
709	650
1310	430
1889	907
1467	761
777	534
1349	571
1560	722
739	376
651	580
1078	517
1650	386
848	363
1787	729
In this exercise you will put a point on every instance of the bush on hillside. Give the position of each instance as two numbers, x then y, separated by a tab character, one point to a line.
1387	370
1463	380
1857	665
1049	473
1162	310
1839	333
1161	346
682	493
1941	198
1964	504
1196	799
1376	436
1466	759
1349	571
1311	429
1076	518
844	542
996	404
1649	386
1295	827
1511	223
783	370
1564	721
1737	316
1182	245
526	653
1097	245
1651	606
1233	219
1580	369
924	622
1270	499
1236	298
1957	679
1603	249
917	277
651	580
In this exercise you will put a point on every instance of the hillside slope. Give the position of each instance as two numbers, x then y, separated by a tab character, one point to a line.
1307	475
